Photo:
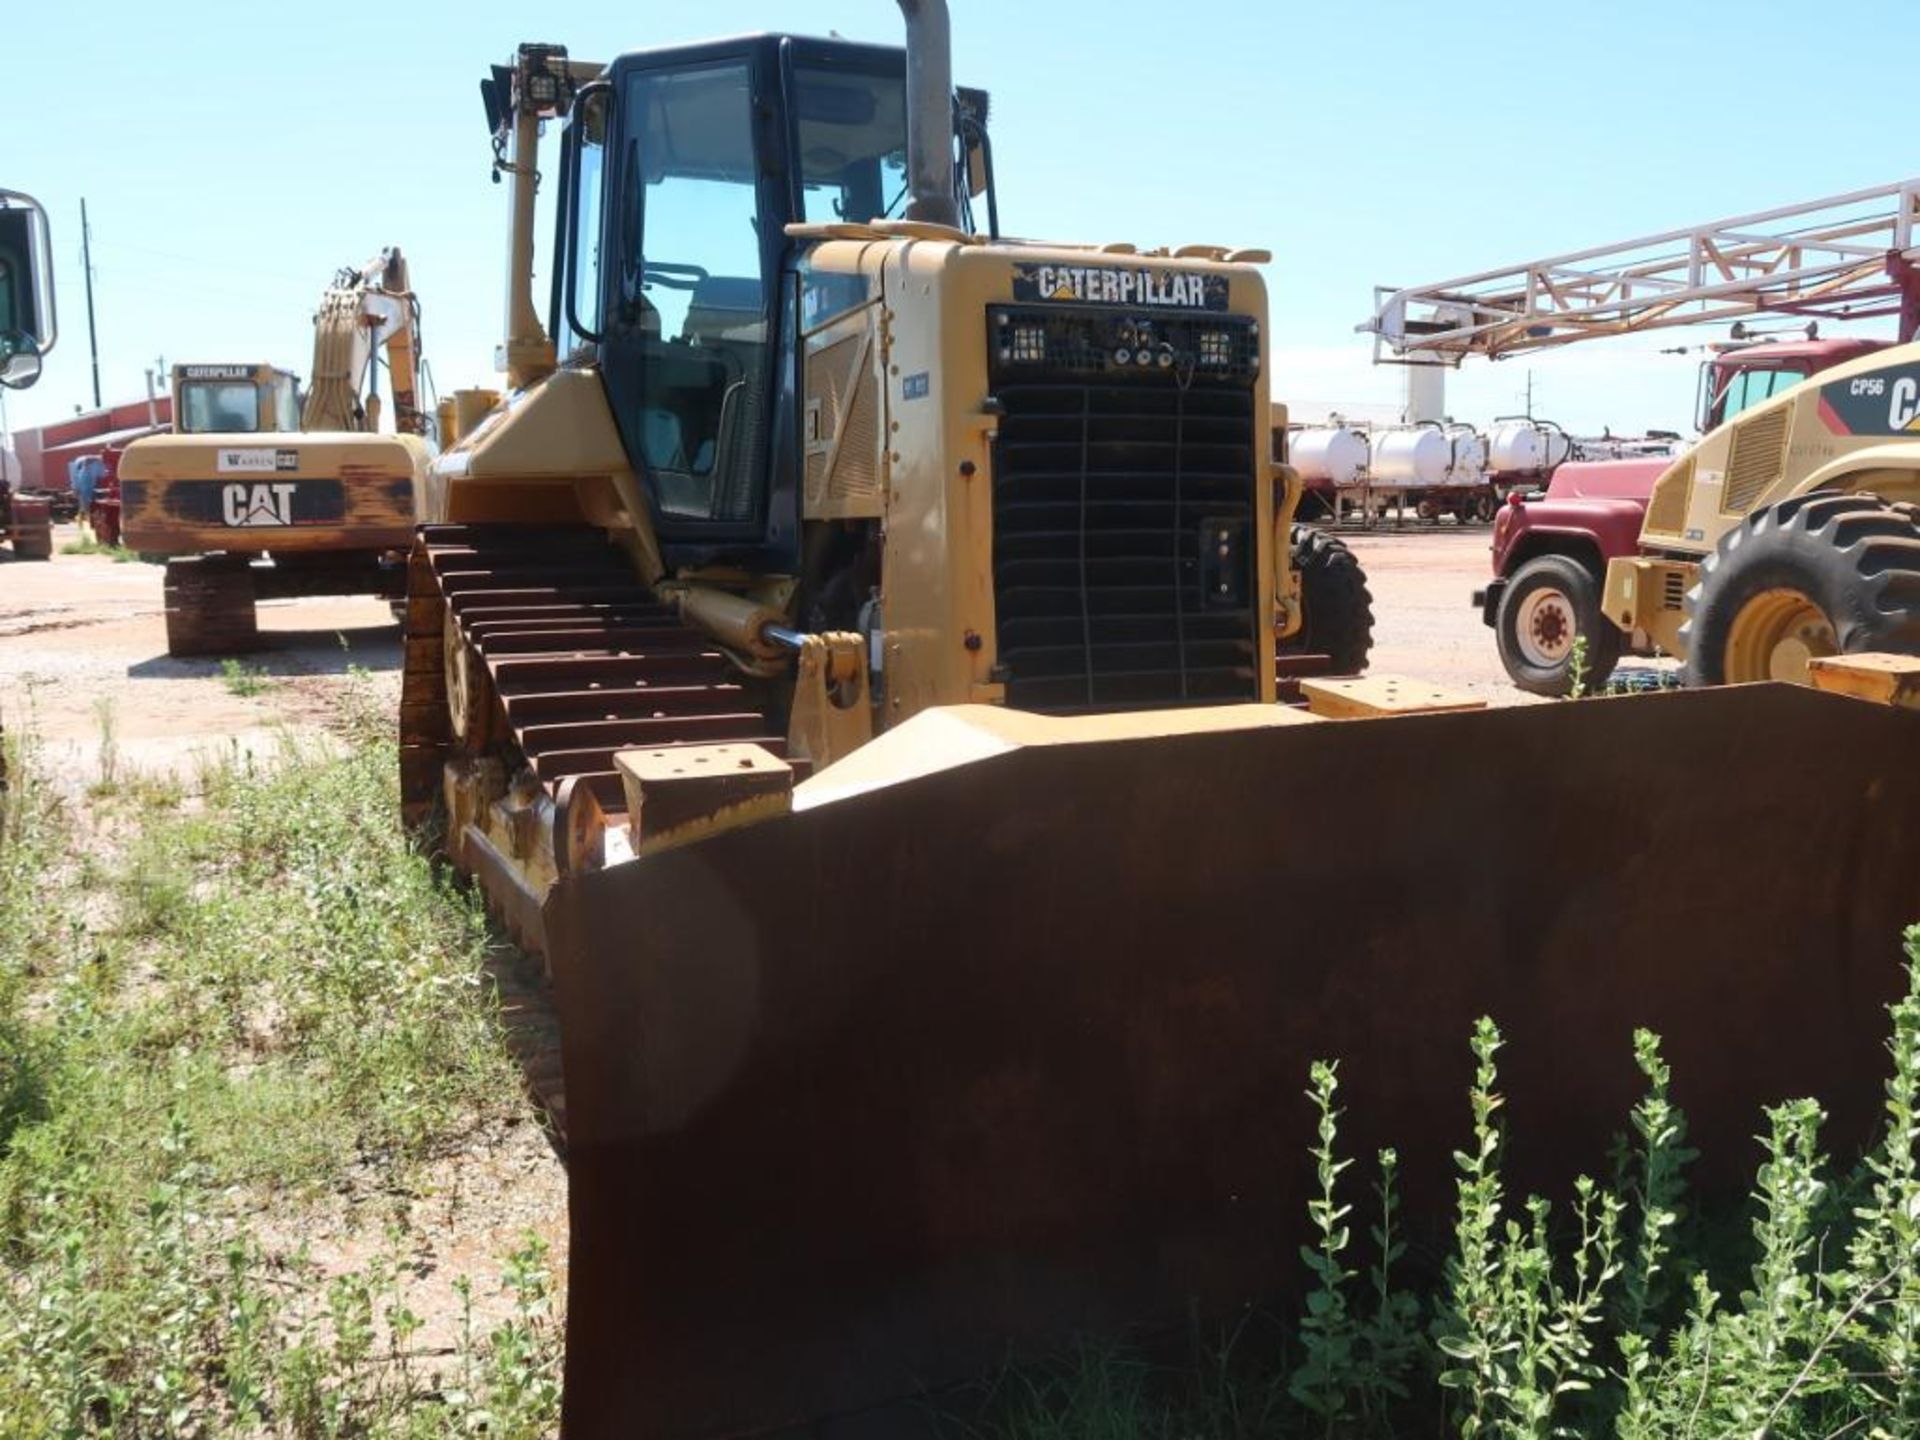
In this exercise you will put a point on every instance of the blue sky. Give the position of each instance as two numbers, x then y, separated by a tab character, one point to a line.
233	160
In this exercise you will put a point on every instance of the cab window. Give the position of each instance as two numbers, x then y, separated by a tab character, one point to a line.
586	190
693	288
219	408
286	404
1750	387
853	145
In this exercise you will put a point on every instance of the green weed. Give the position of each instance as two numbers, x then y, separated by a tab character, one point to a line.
242	679
1605	1322
87	543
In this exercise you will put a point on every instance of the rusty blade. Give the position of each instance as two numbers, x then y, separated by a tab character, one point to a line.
866	1098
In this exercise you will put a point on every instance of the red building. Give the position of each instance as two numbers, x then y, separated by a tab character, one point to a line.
44	452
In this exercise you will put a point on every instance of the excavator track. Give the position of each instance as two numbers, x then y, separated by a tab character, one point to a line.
562	656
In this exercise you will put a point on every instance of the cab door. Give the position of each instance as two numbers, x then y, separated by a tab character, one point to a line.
690	270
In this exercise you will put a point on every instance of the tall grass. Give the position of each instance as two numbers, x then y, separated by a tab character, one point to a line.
217	1013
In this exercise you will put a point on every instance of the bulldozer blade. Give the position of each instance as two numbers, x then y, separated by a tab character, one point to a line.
1002	1034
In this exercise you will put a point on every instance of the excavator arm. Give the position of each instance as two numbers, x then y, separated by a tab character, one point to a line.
363	310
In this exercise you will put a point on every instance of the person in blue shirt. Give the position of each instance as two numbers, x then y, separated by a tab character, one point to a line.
85	475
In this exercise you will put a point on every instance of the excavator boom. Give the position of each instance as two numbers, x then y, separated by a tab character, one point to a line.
362	312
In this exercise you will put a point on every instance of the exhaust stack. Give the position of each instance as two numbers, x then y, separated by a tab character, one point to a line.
929	113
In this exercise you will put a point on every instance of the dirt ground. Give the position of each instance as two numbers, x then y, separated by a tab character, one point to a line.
83	655
83	650
1425	624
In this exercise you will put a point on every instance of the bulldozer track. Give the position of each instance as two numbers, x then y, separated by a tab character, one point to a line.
566	657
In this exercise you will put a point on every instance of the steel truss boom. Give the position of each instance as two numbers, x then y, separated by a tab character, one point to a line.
1844	257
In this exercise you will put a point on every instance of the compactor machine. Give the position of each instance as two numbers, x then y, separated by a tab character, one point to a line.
1789	534
260	493
993	1026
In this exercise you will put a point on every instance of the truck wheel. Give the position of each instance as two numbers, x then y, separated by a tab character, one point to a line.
1819	574
1551	600
1336	606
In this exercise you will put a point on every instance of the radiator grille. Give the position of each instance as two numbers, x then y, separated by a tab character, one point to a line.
1123	511
1759	454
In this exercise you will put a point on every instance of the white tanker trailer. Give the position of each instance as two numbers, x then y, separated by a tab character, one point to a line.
1438	468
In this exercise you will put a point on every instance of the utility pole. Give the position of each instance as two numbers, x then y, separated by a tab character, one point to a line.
86	264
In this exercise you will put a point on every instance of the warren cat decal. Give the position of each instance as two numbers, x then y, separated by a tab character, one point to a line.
1117	285
1886	402
256	461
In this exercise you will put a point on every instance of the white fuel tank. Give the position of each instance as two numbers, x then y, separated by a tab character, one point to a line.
1415	457
1525	447
1329	454
1469	465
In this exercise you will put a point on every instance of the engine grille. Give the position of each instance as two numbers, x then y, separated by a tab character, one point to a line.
1759	455
1124	550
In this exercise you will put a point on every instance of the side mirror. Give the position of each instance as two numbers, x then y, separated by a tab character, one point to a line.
28	322
19	359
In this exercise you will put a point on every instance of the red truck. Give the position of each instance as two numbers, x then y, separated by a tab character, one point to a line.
1550	550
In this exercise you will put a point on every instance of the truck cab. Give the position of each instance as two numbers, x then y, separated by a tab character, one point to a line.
27	329
235	400
1550	550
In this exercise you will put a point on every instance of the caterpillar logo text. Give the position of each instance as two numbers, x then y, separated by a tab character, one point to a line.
1904	403
1886	402
256	505
1108	285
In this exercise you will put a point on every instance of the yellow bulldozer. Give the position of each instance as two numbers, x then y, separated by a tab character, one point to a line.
1789	535
261	494
850	651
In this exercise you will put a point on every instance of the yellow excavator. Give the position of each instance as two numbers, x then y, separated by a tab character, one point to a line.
258	494
852	650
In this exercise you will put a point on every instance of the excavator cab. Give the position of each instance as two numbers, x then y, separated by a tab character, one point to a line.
27	319
683	169
235	400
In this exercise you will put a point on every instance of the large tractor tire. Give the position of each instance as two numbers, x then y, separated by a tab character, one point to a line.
1336	606
1820	574
1550	602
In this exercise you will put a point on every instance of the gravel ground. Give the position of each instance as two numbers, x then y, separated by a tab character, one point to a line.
1425	625
82	633
83	649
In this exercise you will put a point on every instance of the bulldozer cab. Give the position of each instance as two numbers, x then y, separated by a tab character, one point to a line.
27	328
235	400
683	169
